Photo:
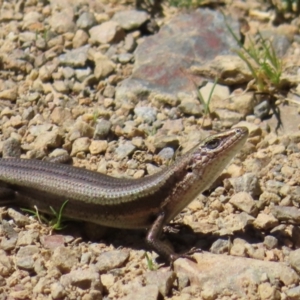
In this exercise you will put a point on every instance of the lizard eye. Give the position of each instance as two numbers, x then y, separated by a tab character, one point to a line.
213	144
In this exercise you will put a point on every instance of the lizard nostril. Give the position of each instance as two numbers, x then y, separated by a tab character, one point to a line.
241	130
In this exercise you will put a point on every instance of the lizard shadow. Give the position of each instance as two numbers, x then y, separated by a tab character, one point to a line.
182	237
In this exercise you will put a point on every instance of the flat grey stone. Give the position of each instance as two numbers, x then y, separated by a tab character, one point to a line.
64	259
287	213
124	150
62	22
84	279
166	154
247	183
106	33
75	58
102	129
188	39
24	258
112	259
147	114
131	19
27	237
11	148
220	246
243	201
148	292
163	280
86	20
270	242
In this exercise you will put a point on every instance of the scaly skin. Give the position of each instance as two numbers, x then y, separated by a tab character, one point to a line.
148	202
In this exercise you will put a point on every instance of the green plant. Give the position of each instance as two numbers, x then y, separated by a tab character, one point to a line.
95	116
150	264
185	3
35	213
262	61
204	102
44	35
55	222
151	131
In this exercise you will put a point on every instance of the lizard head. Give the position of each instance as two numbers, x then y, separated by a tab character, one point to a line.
213	154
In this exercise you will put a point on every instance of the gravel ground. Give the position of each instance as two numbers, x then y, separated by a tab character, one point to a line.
73	80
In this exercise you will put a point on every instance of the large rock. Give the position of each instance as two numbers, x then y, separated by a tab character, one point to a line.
220	275
162	61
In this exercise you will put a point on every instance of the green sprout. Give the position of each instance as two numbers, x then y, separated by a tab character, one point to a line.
150	264
95	116
186	3
262	61
35	213
55	222
206	103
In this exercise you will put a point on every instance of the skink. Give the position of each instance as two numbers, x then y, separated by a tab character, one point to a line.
149	202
